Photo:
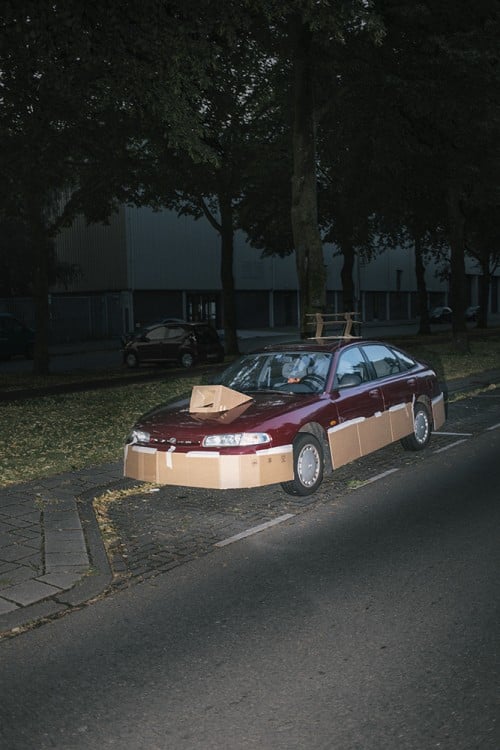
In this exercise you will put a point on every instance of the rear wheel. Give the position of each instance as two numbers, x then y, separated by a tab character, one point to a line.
421	430
187	359
308	466
131	359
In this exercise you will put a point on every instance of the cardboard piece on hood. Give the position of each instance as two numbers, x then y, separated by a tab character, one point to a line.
215	398
221	417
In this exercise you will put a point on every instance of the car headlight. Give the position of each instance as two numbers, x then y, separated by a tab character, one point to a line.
236	439
138	436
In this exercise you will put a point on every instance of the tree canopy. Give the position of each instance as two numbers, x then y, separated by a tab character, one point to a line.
299	122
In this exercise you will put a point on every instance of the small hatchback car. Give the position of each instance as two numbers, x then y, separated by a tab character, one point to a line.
286	413
173	341
15	338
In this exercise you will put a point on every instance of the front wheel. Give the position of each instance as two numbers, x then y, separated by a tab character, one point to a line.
421	430
308	466
187	359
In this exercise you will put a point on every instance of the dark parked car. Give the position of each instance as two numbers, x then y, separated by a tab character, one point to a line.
15	338
285	413
472	312
441	315
174	341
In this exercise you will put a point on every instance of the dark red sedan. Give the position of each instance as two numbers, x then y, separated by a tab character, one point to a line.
285	414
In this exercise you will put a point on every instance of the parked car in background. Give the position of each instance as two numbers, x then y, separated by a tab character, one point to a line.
286	413
173	341
16	339
140	328
472	312
441	315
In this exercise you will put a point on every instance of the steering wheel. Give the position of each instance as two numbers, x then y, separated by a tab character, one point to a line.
314	382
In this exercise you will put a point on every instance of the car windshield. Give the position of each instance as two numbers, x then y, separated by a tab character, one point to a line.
295	372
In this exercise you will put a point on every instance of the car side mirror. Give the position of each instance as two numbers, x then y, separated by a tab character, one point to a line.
349	380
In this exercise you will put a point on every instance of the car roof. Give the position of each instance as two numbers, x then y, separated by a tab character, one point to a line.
325	346
310	345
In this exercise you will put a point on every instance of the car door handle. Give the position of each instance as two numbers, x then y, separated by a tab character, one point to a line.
374	393
411	382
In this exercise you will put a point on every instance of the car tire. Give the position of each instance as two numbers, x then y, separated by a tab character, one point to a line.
422	428
308	466
187	359
131	360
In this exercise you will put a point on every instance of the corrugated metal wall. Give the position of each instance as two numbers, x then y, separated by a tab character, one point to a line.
97	252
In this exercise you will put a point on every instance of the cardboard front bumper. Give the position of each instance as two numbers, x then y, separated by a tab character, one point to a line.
209	469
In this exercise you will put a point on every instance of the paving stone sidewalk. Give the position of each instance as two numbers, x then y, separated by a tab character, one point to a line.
52	556
51	552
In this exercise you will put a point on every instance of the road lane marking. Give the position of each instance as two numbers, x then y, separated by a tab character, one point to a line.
494	427
254	530
451	445
380	476
455	434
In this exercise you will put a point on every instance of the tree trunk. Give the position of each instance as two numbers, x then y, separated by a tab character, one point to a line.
40	244
227	275
484	291
346	276
457	267
424	328
304	212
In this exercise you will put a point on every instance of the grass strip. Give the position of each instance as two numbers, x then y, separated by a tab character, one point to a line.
56	434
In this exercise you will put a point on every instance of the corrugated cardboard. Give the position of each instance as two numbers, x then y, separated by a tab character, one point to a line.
215	398
438	412
209	469
221	417
401	417
361	436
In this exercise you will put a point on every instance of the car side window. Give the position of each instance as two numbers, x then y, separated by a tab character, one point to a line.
383	360
351	368
157	334
174	332
406	362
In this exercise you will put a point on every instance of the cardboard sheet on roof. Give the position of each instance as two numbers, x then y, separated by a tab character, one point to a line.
206	399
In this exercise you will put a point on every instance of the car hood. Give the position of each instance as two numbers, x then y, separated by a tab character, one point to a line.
264	412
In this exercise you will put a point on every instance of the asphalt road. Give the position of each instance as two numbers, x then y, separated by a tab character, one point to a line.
368	622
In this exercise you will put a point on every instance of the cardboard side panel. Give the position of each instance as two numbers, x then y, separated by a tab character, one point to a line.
344	443
211	470
374	432
438	411
401	418
360	437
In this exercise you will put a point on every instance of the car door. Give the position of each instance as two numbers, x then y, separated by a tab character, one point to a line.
362	424
151	346
397	382
175	340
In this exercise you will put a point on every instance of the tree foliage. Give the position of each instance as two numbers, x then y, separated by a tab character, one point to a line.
77	81
300	122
